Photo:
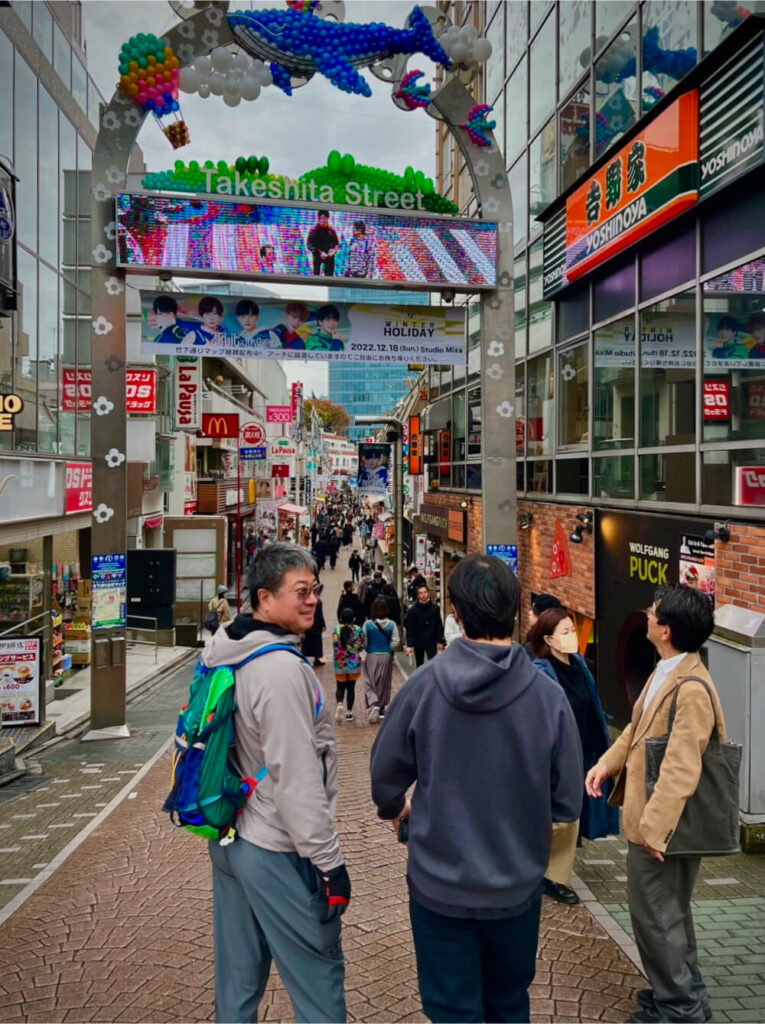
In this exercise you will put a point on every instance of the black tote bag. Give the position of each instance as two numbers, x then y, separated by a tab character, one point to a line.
708	827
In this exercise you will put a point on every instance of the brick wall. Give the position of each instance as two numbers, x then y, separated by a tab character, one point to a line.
577	591
741	568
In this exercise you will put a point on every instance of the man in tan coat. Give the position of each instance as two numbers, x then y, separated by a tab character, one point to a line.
659	888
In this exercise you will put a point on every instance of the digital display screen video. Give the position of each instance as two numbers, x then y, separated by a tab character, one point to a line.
292	243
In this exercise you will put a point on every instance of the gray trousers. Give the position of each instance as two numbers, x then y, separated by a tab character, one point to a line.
265	907
659	897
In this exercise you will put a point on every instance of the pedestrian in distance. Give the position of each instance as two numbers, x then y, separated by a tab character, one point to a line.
313	645
660	885
348	599
479	837
424	628
333	546
366	579
553	646
373	591
540	603
218	610
416	580
347	645
320	552
354	564
280	887
381	638
393	602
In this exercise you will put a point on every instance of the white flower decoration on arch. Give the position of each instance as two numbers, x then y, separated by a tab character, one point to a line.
495	349
101	254
482	168
214	16
111	122
568	372
209	38
494	371
113	286
114	458
505	226
110	230
114	175
133	117
101	193
101	326
102	406
505	410
504	332
491	205
187	29
185	53
102	513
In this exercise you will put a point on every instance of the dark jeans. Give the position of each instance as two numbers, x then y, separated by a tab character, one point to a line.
346	691
419	653
472	969
355	575
328	262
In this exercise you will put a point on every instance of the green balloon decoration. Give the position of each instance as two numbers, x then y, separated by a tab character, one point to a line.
240	164
334	160
263	166
347	164
252	165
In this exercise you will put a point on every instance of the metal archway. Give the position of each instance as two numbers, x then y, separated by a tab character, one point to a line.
120	124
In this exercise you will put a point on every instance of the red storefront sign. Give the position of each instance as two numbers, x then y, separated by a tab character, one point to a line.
716	399
253	433
190	507
750	485
415	446
79	487
755	401
297	398
140	391
281	471
220	424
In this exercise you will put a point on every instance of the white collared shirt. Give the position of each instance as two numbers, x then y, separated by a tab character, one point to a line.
663	669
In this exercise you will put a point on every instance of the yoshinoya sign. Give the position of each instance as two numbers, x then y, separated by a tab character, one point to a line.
188	387
645	184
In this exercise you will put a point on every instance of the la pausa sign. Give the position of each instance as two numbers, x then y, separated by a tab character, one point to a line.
354	192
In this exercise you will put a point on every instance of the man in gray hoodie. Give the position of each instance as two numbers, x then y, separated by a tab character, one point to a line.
279	889
480	820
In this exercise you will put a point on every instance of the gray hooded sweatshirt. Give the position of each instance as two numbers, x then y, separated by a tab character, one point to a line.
293	808
493	746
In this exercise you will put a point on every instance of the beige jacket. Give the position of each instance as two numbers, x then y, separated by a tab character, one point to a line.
654	821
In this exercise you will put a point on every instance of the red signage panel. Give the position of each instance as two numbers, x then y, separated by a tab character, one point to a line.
750	485
79	487
140	391
717	400
220	424
280	414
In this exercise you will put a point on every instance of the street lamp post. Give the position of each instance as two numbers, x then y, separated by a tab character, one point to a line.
369	420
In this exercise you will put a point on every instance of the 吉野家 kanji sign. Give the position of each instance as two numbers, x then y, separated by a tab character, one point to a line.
79	487
645	184
140	391
220	424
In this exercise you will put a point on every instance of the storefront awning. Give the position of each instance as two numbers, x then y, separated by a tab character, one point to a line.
292	510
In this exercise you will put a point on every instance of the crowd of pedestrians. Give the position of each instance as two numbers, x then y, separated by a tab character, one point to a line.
493	762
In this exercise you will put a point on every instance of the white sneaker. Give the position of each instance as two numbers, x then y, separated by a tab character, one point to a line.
340	712
374	714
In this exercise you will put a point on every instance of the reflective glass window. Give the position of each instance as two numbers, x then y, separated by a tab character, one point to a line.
574	121
519	286
669	261
614	477
62	56
614	290
573	399
732	230
67	192
519	192
542	91
539	9
498	115
542	171
721	19
7	326
614	394
573	312
48	194
93	101
615	89
25	125
670	46
43	29
574	42
520	476
608	15
734	354
520	411
540	311
6	90
668	372
495	66
540	476
515	111
79	83
670	476
47	365
516	33
26	342
572	476
540	405
734	477
474	423
23	8
458	427
84	163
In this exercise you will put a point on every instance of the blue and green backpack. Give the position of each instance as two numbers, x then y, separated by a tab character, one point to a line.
208	791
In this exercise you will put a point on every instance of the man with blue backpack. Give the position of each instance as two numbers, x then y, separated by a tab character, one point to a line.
281	886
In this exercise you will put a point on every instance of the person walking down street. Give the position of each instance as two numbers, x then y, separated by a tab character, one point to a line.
381	638
553	646
424	628
347	533
347	645
366	580
393	602
280	888
348	599
373	591
539	603
220	606
320	551
416	580
659	885
354	564
479	840
313	646
333	546
305	537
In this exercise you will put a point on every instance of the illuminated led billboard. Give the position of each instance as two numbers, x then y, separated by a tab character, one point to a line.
293	243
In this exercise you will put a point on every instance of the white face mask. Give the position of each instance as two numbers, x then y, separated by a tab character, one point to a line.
566	644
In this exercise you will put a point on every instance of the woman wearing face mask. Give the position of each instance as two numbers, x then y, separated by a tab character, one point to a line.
553	646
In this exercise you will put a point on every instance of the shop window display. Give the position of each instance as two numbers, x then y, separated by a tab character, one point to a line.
574	37
613	477
668	372
734	354
616	89
573	404
670	476
670	46
614	395
734	477
574	128
540	405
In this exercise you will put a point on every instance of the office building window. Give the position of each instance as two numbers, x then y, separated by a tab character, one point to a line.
519	192
608	15
572	476
670	46
519	288
6	90
495	66
515	112
542	92
573	41
543	167
540	407
573	401
516	33
670	476
615	85
668	372
614	477
25	157
574	128
614	396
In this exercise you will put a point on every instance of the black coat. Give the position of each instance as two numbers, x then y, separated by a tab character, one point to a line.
312	645
351	601
424	627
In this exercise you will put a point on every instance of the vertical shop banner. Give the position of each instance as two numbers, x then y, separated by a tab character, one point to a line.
20	681
560	557
697	565
79	487
297	400
188	393
374	462
140	391
109	576
415	446
717	400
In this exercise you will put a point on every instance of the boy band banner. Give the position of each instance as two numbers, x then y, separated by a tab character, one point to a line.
230	325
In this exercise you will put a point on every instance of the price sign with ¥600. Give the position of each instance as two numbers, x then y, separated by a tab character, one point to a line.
253	433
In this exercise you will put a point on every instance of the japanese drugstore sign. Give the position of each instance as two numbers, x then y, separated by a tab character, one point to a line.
645	184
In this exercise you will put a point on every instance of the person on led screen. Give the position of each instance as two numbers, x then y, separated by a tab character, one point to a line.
728	346
756	327
247	312
268	259
325	338
288	335
323	243
361	252
374	470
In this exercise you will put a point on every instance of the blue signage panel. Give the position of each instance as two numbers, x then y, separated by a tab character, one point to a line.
109	576
507	552
252	454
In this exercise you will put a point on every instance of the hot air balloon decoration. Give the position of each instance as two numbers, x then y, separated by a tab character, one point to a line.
149	74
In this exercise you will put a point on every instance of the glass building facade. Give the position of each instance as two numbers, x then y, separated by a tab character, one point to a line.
370	388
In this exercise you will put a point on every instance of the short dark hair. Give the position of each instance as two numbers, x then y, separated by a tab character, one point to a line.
348	586
165	304
298	309
359	225
323	213
545	625
264	249
209	304
727	323
273	563
247	307
379	609
324	312
688	615
485	594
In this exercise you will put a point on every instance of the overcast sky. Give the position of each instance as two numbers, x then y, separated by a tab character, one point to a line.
295	133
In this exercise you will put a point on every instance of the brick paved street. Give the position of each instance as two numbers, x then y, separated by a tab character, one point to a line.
121	931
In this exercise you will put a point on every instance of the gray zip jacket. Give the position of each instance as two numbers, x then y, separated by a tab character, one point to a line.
293	808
